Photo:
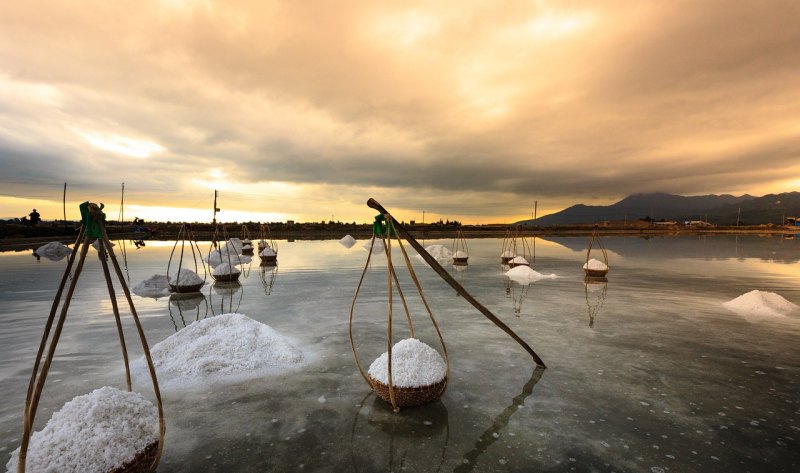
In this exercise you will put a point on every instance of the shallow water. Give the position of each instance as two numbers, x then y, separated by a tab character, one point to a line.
647	372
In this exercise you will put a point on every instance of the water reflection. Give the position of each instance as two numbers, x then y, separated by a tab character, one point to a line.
268	274
595	290
187	306
225	297
491	434
411	440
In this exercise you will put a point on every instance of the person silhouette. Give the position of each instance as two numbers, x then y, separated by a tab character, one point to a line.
35	217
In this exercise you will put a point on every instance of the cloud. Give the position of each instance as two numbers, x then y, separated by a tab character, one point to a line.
476	110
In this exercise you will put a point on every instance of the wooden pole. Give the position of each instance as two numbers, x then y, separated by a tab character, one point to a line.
64	204
372	203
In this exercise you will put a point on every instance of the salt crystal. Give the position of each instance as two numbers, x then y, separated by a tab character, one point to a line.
55	250
99	431
348	241
526	275
156	286
414	363
226	345
226	270
761	304
595	265
187	277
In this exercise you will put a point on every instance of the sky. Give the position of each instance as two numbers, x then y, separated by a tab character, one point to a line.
473	110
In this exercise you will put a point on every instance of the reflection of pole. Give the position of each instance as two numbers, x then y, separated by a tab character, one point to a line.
490	436
738	214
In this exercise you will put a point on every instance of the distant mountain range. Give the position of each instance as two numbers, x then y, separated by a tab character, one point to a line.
718	209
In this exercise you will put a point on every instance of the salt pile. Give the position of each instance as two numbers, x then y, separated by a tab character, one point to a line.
595	265
225	269
187	277
441	253
460	254
413	364
234	246
226	345
99	431
526	275
762	304
156	285
348	241
217	257
55	250
377	248
268	252
519	260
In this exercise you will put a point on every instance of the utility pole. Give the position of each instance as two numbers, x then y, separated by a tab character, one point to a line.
738	214
122	205
216	209
64	204
423	217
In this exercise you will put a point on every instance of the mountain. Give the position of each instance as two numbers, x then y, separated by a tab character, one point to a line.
719	209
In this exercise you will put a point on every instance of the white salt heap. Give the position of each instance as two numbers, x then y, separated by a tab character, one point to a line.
95	432
460	254
348	241
234	246
518	260
217	257
377	248
762	304
226	345
526	275
268	252
156	285
413	364
187	277
595	265
441	253
225	270
54	250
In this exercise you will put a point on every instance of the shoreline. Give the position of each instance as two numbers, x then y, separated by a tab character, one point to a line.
22	243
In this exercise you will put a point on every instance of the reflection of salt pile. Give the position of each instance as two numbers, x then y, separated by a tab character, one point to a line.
525	275
225	269
187	277
227	345
99	431
595	265
413	364
348	241
441	253
53	250
96	244
156	285
761	303
376	248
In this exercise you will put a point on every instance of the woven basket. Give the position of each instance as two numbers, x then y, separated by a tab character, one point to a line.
460	261
247	251
142	462
226	277
506	259
415	396
269	259
514	265
184	289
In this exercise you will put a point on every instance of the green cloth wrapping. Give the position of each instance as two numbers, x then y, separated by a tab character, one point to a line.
378	229
92	225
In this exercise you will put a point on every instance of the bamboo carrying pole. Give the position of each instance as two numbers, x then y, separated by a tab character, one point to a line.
372	203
